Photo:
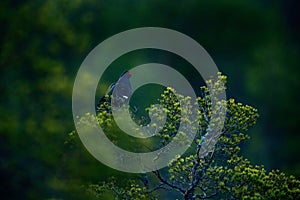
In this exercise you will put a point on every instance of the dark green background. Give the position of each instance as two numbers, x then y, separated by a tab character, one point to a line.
254	43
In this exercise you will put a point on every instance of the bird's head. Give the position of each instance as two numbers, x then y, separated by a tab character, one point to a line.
126	74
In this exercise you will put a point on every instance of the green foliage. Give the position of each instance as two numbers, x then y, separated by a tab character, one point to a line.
222	173
44	42
245	181
111	190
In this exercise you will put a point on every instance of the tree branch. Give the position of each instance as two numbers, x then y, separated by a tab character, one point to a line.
157	173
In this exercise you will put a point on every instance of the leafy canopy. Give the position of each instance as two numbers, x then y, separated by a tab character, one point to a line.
221	173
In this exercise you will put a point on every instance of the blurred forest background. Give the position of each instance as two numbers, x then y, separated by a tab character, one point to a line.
255	43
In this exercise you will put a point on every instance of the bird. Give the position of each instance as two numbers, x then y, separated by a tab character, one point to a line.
118	93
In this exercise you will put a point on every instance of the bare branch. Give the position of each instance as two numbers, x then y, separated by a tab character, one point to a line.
157	173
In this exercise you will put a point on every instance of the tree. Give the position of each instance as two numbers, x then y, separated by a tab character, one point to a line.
219	174
44	42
